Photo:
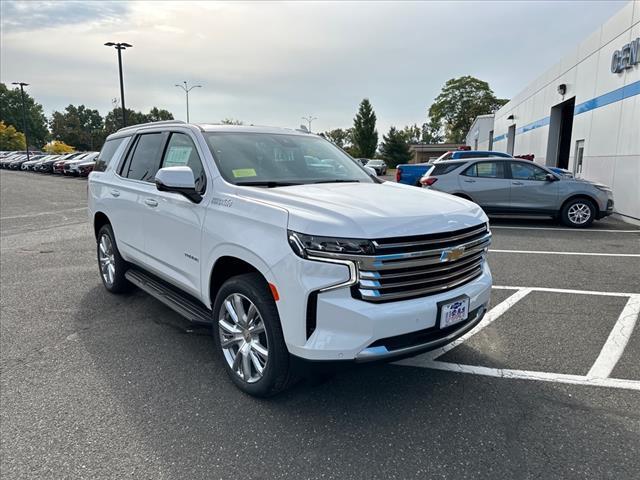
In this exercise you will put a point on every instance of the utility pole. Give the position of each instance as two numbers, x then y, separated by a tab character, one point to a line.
24	115
119	47
187	89
309	119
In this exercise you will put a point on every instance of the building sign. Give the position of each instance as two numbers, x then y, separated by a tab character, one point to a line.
626	57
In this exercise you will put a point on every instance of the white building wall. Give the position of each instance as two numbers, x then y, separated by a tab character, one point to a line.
479	132
611	132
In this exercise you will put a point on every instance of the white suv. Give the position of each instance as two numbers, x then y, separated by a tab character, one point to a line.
290	260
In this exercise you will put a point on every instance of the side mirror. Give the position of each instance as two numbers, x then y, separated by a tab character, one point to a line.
371	171
551	177
179	180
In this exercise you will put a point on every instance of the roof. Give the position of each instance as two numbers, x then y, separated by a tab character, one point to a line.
211	127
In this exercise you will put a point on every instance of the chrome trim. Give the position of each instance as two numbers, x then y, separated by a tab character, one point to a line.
483	228
381	297
374	275
379	353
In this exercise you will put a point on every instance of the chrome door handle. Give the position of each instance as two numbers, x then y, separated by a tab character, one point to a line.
115	193
518	183
151	202
470	181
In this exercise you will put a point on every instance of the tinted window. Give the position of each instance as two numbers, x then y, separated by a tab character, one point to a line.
145	159
181	151
441	169
485	170
527	171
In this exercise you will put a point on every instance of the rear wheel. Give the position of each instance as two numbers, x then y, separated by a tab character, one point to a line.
112	265
578	213
248	336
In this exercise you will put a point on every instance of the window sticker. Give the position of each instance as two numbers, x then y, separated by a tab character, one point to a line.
177	156
244	172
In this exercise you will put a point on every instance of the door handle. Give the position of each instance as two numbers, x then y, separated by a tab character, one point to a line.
115	193
151	202
518	183
470	181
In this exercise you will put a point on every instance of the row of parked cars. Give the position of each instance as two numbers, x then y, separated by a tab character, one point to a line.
78	164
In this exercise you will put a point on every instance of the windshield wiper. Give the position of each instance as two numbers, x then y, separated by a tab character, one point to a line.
268	184
337	180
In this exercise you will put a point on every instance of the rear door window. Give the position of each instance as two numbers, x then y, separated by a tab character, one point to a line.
144	160
443	169
485	170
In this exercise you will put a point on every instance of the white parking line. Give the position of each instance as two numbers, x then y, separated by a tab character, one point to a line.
598	375
586	230
567	253
617	341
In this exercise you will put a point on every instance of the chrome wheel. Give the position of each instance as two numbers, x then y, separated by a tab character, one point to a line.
243	338
106	259
579	213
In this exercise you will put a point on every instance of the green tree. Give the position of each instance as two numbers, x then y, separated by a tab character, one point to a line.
11	114
79	126
365	135
395	149
341	137
10	138
460	102
432	131
412	133
159	114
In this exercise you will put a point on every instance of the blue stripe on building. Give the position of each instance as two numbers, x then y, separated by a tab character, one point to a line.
617	95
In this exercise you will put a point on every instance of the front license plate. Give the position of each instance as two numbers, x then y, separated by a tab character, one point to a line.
454	312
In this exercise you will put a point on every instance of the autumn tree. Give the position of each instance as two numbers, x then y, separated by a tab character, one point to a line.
57	147
10	138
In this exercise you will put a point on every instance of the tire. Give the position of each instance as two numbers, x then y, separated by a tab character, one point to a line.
245	351
578	213
109	256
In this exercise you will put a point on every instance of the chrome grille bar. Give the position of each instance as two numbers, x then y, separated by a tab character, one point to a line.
454	238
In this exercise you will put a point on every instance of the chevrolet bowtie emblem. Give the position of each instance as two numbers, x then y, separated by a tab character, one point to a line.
451	254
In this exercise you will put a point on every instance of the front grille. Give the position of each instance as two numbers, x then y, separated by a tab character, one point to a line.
417	266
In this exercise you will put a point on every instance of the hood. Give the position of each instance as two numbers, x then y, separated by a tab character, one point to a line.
582	181
368	210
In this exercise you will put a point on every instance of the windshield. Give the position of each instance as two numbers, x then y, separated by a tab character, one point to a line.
274	160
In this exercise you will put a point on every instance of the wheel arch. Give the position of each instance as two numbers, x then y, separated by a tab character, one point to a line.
228	266
583	196
99	220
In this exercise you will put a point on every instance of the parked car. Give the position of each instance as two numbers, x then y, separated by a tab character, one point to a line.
304	270
85	168
71	166
47	165
32	164
411	173
378	165
17	164
4	162
521	187
561	171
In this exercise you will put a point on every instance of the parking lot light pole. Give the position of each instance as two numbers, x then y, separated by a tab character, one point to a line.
119	47
24	115
187	89
309	119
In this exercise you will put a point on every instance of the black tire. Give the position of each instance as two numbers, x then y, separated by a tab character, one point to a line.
278	372
571	217
119	284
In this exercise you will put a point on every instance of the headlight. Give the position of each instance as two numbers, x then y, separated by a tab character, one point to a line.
302	244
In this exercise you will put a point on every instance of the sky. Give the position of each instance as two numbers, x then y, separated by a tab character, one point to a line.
271	63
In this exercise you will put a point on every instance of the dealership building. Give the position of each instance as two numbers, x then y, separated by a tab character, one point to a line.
583	114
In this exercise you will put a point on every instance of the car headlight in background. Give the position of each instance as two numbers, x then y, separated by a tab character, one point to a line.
303	244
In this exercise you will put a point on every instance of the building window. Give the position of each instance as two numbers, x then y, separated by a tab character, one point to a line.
577	165
491	141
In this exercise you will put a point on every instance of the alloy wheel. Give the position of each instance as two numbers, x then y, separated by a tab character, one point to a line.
243	338
106	259
579	213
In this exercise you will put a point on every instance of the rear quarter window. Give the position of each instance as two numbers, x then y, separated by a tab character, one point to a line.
107	153
444	169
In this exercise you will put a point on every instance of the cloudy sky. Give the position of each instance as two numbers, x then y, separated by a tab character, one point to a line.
272	63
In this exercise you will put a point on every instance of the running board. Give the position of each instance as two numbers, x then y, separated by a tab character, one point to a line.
189	308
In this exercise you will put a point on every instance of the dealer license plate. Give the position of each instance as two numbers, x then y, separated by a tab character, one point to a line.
454	312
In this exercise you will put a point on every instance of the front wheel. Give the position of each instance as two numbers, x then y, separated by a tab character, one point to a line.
578	213
248	336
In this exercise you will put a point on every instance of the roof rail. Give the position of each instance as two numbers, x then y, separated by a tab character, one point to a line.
150	124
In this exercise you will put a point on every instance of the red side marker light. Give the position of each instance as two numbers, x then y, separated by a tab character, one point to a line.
274	292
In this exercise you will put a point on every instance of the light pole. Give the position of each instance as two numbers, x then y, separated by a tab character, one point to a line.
119	47
187	89
24	115
309	119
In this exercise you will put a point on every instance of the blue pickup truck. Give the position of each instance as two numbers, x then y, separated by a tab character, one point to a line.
411	173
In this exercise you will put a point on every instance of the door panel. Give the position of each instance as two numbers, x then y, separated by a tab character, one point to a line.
530	189
486	184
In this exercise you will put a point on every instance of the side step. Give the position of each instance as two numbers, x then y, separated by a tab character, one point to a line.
189	308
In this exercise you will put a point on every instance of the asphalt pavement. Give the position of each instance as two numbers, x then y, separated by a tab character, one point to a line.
94	385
